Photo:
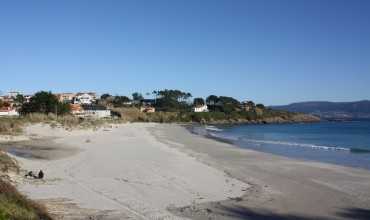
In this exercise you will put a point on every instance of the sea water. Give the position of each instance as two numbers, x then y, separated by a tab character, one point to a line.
343	143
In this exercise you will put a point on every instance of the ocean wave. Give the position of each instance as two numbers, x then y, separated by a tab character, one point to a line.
313	146
213	128
226	138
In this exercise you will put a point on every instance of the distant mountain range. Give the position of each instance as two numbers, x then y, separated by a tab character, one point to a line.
331	110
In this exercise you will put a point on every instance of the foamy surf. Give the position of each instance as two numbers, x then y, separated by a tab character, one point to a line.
313	146
213	128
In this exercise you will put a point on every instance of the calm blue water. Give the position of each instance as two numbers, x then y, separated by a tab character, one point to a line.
343	143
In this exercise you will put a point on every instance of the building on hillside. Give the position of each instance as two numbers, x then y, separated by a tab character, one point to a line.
87	98
200	108
76	109
147	102
8	100
147	109
128	103
147	105
66	97
247	106
10	97
13	94
8	111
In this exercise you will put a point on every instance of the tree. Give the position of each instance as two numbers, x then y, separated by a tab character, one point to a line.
212	100
137	96
172	100
223	103
19	99
198	102
105	96
251	104
120	100
260	106
45	102
229	104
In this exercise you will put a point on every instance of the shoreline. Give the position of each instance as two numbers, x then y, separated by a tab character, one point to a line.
283	188
353	157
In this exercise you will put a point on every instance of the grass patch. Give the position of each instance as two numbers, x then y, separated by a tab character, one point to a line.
7	164
14	205
10	126
14	125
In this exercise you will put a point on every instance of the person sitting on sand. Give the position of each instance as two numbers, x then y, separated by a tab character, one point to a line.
41	175
29	174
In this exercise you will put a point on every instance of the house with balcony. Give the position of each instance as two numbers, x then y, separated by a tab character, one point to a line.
66	97
85	98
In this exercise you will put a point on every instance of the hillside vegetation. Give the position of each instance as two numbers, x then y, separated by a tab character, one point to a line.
264	116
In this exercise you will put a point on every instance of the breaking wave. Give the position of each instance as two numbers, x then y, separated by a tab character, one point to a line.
313	146
213	128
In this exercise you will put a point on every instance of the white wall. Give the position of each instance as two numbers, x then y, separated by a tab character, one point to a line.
96	113
203	108
9	113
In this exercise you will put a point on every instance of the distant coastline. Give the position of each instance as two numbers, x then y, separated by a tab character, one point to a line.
357	110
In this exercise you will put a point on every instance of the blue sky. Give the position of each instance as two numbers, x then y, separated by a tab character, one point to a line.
274	52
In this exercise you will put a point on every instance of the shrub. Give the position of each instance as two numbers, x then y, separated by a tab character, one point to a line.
13	205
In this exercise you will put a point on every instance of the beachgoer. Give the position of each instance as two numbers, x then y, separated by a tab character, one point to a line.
41	175
29	174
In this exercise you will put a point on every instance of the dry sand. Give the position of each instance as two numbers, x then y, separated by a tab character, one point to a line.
119	173
154	171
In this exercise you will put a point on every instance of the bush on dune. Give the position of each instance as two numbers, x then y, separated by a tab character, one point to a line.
15	206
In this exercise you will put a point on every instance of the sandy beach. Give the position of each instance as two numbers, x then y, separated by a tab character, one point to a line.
162	171
120	172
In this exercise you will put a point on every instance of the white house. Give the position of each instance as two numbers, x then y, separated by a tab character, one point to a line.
7	111
66	97
200	108
13	94
84	98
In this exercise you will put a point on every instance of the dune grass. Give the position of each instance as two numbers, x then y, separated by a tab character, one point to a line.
14	125
7	164
14	205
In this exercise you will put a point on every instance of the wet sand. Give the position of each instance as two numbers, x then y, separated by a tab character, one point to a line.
282	188
38	149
